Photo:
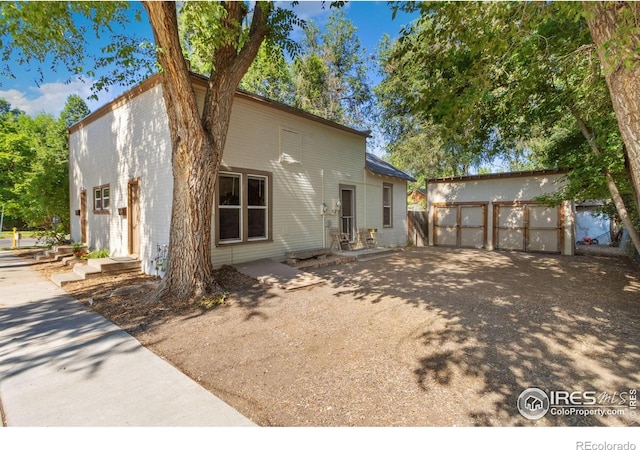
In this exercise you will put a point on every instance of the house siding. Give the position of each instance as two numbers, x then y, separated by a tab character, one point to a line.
329	158
131	141
396	235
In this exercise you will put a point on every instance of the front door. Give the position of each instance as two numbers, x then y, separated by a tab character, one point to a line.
348	211
133	216
83	216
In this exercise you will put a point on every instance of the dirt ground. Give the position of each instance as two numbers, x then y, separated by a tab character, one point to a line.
425	337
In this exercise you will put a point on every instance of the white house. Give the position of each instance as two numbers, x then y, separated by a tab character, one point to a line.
500	211
287	178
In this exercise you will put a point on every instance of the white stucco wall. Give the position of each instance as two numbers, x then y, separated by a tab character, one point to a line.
131	141
495	189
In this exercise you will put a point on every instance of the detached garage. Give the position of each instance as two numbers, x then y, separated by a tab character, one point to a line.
500	212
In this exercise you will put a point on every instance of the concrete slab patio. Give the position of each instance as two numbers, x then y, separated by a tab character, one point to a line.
63	365
272	272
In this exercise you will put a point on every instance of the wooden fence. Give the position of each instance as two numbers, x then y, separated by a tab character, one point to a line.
417	221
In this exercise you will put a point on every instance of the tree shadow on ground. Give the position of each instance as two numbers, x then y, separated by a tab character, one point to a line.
497	323
58	332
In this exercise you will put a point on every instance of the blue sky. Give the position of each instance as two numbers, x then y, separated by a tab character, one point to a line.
372	19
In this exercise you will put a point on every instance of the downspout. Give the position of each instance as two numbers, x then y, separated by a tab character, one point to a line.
366	186
322	212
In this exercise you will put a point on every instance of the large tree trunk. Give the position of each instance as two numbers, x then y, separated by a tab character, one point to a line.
197	142
613	28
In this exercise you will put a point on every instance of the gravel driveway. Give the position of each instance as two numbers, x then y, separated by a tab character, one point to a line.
426	337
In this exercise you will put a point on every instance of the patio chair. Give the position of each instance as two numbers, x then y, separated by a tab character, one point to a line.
339	239
364	238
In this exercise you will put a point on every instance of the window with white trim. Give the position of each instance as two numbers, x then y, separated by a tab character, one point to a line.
101	199
243	207
387	205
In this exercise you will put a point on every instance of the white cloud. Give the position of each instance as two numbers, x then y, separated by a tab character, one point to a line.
306	9
51	97
310	9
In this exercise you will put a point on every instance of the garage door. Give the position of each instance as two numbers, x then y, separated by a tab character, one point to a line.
527	227
460	224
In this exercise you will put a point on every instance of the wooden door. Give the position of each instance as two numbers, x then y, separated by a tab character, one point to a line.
510	225
83	216
528	227
133	216
348	212
460	224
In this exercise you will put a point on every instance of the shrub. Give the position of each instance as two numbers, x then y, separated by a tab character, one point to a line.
102	253
50	237
212	301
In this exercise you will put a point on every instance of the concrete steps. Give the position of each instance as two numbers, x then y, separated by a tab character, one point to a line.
368	254
57	253
96	268
332	260
314	259
374	253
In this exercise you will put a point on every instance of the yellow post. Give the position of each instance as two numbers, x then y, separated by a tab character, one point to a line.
15	237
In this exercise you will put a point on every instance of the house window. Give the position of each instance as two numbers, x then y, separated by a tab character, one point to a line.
387	205
257	207
230	207
101	199
243	207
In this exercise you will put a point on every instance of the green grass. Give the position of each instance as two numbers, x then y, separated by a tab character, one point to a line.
9	234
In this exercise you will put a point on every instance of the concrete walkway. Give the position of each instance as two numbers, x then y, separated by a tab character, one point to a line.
63	365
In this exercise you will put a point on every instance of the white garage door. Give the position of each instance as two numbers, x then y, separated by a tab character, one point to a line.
527	227
460	224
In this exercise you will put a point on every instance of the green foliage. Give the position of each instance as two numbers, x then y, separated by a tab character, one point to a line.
621	48
330	74
99	253
212	301
327	76
202	35
34	181
270	74
75	109
51	237
471	81
199	38
16	153
55	35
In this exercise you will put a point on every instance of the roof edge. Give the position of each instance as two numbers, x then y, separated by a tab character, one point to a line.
155	79
496	176
127	96
393	171
202	80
